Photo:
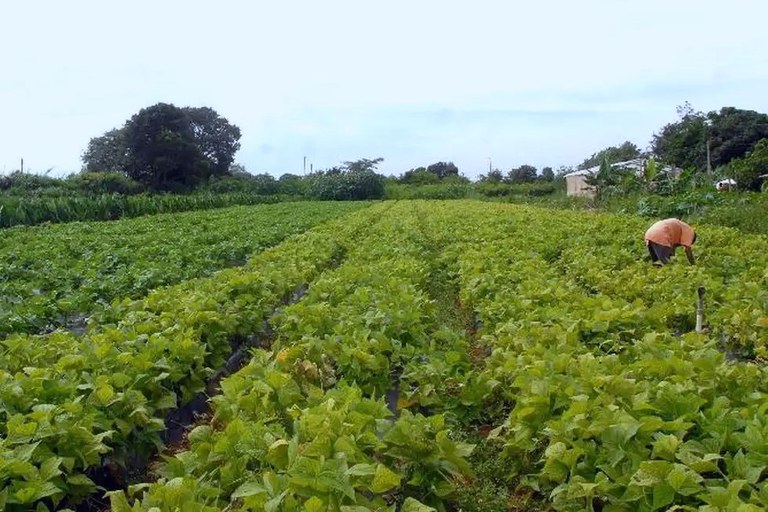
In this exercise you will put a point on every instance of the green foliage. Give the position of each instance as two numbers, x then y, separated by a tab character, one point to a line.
613	154
30	210
167	148
98	183
22	183
356	181
69	400
731	133
59	273
747	171
107	153
419	176
547	174
443	170
522	174
576	374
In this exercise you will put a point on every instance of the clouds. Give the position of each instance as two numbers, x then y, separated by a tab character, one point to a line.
546	83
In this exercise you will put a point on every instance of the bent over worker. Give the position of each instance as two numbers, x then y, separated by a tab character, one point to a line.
667	235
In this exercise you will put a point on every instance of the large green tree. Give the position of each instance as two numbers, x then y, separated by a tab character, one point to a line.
730	132
166	147
215	137
162	150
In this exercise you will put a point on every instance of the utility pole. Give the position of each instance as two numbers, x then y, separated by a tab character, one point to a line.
22	165
709	161
490	165
305	166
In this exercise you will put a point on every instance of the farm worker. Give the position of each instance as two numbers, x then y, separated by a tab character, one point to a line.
667	235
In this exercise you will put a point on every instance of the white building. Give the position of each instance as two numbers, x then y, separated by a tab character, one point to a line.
576	182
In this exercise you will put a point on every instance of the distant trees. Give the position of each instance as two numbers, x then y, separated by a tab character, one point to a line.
747	171
547	174
523	174
612	154
433	173
107	153
731	134
494	176
165	147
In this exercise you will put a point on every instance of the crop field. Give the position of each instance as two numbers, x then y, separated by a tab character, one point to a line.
56	275
405	356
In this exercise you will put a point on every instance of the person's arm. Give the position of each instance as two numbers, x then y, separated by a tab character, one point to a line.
689	253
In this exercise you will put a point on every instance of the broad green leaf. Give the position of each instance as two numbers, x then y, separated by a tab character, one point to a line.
384	479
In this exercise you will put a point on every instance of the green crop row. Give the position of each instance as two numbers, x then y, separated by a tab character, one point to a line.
68	403
305	426
57	275
599	395
29	210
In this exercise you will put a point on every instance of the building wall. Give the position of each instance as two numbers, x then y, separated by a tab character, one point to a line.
577	186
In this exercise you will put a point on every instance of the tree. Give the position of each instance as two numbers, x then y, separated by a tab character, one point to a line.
612	154
547	174
731	134
747	171
363	164
683	143
162	150
420	176
106	153
443	170
522	174
494	176
166	147
215	137
734	132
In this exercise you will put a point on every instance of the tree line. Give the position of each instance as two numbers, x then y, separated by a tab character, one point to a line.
169	148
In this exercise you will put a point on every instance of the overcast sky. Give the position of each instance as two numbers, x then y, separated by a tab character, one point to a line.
416	81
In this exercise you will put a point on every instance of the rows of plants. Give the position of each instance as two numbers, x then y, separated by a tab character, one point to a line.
599	396
544	337
56	275
73	404
316	421
32	209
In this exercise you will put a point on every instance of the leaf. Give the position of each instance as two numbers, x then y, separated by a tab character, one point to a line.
249	489
362	470
384	479
104	393
412	505
663	495
277	454
35	491
314	504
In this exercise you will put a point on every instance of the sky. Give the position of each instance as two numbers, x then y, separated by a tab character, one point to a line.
477	82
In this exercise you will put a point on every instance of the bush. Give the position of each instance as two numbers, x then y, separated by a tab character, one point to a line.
23	183
261	184
98	183
341	185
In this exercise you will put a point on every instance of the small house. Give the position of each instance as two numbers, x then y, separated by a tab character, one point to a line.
576	182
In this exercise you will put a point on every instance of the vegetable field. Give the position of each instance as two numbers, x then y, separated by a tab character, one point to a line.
411	356
56	275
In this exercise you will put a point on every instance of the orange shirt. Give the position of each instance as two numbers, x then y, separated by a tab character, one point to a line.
670	233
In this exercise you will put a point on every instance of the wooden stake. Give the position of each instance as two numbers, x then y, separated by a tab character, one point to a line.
700	310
